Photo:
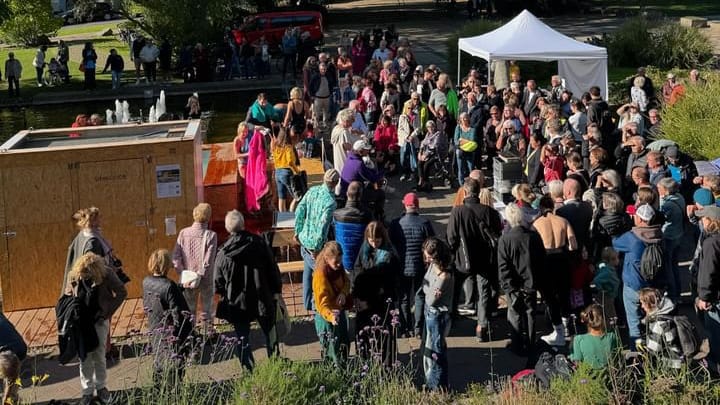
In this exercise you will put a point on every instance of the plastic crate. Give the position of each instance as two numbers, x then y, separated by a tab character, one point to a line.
510	169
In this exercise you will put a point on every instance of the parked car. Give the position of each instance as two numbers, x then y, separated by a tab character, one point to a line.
273	25
97	12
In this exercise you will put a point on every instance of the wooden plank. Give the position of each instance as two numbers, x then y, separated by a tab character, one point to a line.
24	327
115	321
292	267
284	237
47	335
39	326
14	316
137	319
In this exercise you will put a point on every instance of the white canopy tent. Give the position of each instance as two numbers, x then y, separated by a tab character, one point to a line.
525	37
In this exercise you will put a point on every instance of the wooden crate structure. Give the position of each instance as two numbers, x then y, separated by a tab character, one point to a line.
144	178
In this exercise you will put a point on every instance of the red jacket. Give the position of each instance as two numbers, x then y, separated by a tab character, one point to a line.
385	138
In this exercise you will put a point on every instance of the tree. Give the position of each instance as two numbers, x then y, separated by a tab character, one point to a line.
183	21
29	22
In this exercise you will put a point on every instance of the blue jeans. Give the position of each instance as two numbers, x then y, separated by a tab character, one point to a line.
307	277
712	329
435	362
408	158
671	249
283	178
631	300
465	164
116	74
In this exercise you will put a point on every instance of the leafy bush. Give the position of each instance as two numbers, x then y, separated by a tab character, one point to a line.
638	43
680	47
29	22
631	44
692	121
471	29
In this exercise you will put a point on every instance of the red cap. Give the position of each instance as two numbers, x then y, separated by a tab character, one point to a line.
630	209
411	200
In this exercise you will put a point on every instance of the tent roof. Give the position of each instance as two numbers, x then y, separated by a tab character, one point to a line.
525	37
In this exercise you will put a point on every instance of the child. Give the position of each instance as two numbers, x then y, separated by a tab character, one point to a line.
662	337
309	140
607	283
331	291
438	293
597	346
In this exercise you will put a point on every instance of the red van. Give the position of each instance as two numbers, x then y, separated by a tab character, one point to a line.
273	25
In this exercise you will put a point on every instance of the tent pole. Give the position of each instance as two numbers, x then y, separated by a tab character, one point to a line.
457	83
490	77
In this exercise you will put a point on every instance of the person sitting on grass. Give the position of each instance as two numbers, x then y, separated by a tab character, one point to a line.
596	347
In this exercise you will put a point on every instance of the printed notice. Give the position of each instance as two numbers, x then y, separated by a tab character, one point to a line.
168	181
170	226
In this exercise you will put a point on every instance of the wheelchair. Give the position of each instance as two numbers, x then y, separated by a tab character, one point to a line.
53	77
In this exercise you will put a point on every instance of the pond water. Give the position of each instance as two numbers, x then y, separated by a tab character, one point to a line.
228	109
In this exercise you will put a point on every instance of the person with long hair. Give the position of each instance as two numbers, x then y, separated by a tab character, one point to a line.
373	291
286	165
438	286
102	293
331	291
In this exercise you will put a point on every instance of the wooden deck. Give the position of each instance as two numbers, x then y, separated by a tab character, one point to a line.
39	326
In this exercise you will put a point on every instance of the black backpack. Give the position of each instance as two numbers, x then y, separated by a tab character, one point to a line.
651	261
687	335
549	367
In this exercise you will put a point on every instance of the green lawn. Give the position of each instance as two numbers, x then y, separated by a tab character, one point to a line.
28	82
674	8
616	74
87	29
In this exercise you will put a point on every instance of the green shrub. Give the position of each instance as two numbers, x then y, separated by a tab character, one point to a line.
692	121
630	45
470	29
669	45
681	47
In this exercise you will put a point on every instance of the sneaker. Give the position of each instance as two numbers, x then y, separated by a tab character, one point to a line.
418	333
103	395
556	338
403	178
466	311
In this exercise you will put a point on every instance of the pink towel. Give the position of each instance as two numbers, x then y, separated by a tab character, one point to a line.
256	181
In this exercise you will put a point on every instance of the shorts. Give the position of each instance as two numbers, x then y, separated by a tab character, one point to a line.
283	179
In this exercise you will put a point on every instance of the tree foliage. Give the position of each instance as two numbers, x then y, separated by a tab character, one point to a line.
28	22
183	21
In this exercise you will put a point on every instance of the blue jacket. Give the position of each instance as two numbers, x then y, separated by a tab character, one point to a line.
673	207
350	223
632	243
407	234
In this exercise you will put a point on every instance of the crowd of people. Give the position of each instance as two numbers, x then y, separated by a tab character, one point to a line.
594	229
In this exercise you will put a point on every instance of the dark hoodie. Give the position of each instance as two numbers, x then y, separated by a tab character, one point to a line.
633	243
246	278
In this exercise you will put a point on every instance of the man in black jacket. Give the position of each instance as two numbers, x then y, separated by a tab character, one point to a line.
521	254
247	280
407	234
469	229
708	287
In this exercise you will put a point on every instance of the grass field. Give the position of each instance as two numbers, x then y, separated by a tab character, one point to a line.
83	29
28	81
674	8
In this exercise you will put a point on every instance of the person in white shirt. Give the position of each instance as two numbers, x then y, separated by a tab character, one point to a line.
382	53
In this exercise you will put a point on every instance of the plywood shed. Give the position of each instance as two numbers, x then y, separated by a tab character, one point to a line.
145	178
